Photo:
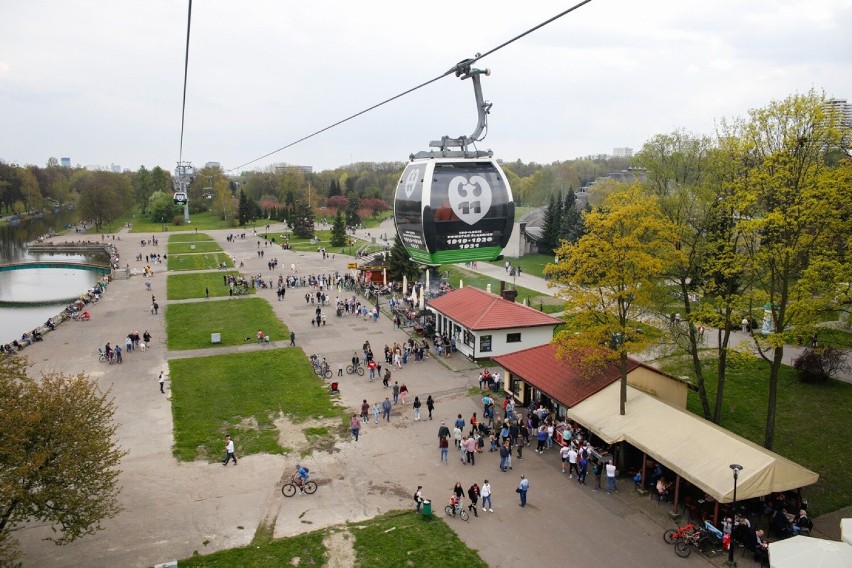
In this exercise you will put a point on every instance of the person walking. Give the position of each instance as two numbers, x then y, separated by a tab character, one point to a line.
485	492
403	392
376	412
340	369
523	487
229	450
611	484
386	409
470	447
597	469
162	381
293	338
473	495
583	471
365	411
572	462
430	405
417	404
395	392
504	455
444	447
355	426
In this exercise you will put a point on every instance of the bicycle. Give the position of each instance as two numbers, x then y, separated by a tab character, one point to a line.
101	355
672	536
289	489
700	539
322	369
450	510
351	369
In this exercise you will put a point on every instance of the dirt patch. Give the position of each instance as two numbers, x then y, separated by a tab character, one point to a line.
339	547
291	435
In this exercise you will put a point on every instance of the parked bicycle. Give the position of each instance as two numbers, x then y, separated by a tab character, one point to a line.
289	489
672	536
700	539
101	355
321	368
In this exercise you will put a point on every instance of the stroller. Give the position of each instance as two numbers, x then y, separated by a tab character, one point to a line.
335	388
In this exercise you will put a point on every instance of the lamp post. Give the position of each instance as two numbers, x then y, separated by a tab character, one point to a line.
736	468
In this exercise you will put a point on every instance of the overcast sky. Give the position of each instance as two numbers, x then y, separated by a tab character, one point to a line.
101	81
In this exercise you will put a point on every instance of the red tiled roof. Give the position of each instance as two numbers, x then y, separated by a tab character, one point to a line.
478	310
540	367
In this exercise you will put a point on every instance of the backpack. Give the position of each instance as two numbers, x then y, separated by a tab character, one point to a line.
307	470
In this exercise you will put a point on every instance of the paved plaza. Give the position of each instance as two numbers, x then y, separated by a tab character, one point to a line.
173	509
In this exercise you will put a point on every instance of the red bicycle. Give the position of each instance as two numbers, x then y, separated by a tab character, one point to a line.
673	536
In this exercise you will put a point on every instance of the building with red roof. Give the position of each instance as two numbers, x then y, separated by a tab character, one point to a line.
485	325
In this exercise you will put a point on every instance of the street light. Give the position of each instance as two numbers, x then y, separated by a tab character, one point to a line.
736	468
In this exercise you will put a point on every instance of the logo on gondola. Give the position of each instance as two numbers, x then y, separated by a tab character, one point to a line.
470	199
411	181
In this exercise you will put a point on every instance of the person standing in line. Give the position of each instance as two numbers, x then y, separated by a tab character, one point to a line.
485	492
229	450
583	471
504	455
523	487
462	446
417	404
395	392
597	469
473	495
418	498
430	405
572	462
293	338
376	412
355	426
162	381
611	484
386	409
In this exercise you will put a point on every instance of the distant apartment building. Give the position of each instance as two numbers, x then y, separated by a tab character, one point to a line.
66	162
286	168
216	165
842	110
622	152
115	168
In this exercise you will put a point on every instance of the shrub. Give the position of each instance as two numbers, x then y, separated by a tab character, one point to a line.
818	364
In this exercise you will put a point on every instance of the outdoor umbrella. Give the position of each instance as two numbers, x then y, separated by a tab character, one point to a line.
802	551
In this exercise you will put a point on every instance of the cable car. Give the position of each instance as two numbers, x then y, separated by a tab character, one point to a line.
180	198
455	205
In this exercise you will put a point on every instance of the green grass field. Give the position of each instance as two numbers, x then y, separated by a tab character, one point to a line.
189	325
186	286
393	540
810	427
242	394
530	263
201	261
542	302
193	247
189	237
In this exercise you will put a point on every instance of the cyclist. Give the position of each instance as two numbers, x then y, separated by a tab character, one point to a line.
300	477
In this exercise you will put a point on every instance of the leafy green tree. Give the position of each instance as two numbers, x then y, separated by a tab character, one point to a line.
30	190
142	187
303	221
794	212
400	263
103	196
607	279
248	209
59	458
571	226
338	231
161	207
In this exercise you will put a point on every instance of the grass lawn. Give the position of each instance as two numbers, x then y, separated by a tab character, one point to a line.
530	263
200	261
811	425
189	325
323	240
398	538
143	224
193	247
542	302
189	237
185	286
242	394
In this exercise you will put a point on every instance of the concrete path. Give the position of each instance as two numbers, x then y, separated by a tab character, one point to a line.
172	509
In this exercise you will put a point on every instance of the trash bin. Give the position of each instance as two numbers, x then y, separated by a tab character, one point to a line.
427	508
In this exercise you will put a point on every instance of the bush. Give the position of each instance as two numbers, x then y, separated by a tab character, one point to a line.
818	364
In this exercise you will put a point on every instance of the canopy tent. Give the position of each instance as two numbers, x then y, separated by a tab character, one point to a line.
811	552
846	530
695	449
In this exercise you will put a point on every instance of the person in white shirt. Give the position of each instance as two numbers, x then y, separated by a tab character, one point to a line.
485	493
610	478
572	462
229	450
563	453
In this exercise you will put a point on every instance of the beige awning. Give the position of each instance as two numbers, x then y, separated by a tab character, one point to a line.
697	450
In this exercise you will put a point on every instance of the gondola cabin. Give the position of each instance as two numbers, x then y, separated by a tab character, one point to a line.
450	210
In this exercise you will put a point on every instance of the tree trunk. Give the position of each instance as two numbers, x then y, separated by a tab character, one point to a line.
769	440
721	374
623	397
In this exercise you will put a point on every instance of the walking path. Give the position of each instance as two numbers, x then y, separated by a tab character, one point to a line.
173	509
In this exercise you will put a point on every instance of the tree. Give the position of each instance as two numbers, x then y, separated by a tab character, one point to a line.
794	210
102	196
400	263
552	221
374	205
337	202
571	227
303	221
248	209
161	207
608	278
353	217
59	459
338	231
30	190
